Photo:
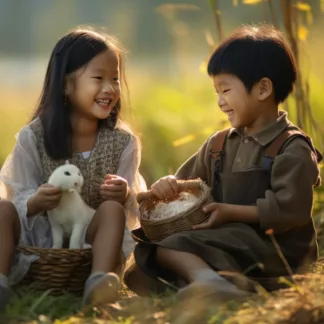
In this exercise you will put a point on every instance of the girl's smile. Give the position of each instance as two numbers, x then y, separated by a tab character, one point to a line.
104	103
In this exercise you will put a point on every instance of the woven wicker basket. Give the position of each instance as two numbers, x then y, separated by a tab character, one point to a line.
158	229
58	270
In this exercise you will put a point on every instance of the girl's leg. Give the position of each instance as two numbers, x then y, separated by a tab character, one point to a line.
105	233
202	279
9	236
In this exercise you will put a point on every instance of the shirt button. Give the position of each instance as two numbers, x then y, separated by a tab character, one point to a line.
238	160
246	141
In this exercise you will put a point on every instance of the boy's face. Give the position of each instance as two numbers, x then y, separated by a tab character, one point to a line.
235	101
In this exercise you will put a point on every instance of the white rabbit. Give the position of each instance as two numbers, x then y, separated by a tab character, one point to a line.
72	215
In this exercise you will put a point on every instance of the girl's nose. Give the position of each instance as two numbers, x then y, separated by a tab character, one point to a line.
108	88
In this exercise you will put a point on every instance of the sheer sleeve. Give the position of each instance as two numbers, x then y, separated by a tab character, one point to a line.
21	175
129	169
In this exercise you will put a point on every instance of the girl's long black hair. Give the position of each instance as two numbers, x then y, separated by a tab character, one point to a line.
72	52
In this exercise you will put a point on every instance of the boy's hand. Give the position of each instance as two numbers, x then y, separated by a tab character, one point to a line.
166	187
115	188
47	197
218	216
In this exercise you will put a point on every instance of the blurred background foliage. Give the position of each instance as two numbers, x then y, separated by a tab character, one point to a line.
173	107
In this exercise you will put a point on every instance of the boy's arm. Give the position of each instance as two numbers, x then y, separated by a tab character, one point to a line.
289	202
198	165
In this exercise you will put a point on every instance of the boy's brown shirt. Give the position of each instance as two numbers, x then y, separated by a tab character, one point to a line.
295	171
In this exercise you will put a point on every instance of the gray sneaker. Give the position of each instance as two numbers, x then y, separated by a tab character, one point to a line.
214	290
101	289
5	294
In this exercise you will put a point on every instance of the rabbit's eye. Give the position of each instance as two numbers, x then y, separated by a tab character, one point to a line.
79	174
67	173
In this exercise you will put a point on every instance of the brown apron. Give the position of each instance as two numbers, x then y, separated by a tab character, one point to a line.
234	247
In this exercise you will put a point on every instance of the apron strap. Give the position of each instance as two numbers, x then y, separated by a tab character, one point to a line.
218	143
216	153
281	141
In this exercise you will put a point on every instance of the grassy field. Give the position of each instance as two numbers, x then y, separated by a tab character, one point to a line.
301	302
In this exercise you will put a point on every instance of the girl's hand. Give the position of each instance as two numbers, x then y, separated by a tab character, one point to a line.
115	188
166	187
47	197
218	216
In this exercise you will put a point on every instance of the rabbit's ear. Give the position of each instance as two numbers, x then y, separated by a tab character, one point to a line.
67	162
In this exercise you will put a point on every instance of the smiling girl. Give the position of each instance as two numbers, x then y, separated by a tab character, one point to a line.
77	119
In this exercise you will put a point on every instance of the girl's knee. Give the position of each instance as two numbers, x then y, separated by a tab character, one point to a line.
111	205
8	212
9	219
110	211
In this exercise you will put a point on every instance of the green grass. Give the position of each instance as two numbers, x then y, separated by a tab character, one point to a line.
35	307
302	300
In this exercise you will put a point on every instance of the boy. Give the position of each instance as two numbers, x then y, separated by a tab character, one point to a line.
262	172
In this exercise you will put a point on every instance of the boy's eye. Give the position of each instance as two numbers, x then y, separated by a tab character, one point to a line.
116	79
97	77
226	90
67	173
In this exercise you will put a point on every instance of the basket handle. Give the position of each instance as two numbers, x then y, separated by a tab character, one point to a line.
184	185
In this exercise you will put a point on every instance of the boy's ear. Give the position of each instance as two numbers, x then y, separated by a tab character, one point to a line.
264	88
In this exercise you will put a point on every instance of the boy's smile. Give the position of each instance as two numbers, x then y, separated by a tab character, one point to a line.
229	113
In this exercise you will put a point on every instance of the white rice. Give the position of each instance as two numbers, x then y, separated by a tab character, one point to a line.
164	210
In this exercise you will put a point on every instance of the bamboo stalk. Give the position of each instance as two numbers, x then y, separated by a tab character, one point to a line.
264	11
272	13
215	8
287	10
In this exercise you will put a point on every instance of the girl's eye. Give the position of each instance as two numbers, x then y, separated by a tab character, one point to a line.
116	79
97	77
226	90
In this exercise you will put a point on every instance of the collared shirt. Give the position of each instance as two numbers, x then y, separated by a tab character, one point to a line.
294	173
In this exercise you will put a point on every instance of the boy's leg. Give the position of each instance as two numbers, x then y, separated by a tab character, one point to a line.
140	283
105	233
202	279
9	236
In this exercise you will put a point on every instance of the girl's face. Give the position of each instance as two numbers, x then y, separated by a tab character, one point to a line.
94	90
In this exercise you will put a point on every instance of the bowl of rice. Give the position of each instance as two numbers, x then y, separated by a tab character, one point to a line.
162	218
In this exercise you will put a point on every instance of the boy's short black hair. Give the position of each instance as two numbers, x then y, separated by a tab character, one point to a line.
252	53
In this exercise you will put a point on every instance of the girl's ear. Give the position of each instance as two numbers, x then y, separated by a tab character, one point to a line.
68	86
264	88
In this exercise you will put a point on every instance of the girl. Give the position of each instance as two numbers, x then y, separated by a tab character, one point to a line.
77	119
